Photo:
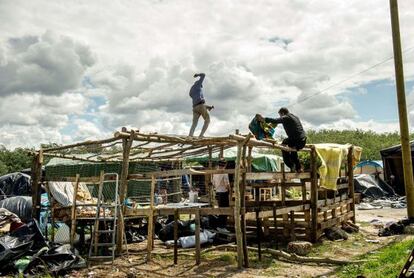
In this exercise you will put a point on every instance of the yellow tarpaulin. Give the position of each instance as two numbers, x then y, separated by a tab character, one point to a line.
331	156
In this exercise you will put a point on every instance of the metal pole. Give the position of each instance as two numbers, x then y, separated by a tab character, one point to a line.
402	110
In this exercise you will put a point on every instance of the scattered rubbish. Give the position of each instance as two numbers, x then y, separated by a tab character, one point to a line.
394	228
377	223
372	240
24	250
367	206
189	241
335	233
350	227
409	229
8	221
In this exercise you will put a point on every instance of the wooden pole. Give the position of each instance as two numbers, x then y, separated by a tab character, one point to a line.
402	110
351	181
243	206
197	236
314	195
207	178
126	148
237	206
150	234
36	183
176	236
258	225
73	214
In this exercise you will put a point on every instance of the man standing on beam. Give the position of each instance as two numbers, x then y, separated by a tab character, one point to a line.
199	106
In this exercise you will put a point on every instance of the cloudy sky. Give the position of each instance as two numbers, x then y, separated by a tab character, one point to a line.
75	70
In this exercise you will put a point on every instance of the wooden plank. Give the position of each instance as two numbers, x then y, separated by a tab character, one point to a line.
73	179
246	166
126	145
96	227
181	172
280	211
239	235
73	212
197	237
36	183
176	236
274	214
292	225
314	194
150	235
276	175
334	221
278	203
351	181
335	205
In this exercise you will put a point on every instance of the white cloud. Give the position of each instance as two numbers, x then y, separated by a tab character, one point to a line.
139	57
48	64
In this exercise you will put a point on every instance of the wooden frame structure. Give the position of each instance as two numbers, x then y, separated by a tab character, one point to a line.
283	219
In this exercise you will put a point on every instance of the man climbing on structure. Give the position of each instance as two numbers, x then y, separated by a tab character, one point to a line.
199	106
296	136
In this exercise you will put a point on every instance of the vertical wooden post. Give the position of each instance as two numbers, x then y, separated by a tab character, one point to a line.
150	234
351	181
73	214
237	206
314	195
275	224
197	236
126	147
243	207
176	236
292	226
207	178
402	110
258	226
97	220
36	183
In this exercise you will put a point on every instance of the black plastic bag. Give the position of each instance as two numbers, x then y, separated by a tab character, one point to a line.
15	184
19	205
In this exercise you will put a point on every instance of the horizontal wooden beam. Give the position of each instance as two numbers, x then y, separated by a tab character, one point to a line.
337	220
279	211
190	210
335	205
276	175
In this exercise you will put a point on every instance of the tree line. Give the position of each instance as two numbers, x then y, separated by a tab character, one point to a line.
371	143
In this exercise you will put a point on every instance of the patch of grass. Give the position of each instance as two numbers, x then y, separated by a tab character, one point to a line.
228	258
386	262
326	248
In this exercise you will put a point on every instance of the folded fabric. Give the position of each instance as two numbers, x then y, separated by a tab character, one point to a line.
331	156
261	130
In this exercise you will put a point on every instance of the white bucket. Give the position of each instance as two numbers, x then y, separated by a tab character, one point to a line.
193	196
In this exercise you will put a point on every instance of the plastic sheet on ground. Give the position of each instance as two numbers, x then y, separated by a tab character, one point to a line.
15	184
189	241
25	250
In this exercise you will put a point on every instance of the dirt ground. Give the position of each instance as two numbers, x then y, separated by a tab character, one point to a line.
223	264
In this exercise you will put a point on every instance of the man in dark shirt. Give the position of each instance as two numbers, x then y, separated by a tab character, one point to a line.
199	106
296	136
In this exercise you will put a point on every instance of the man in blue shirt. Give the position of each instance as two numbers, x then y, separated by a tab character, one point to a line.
199	106
296	136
